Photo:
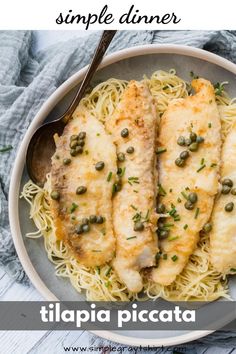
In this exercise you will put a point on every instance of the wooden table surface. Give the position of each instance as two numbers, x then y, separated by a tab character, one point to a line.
54	342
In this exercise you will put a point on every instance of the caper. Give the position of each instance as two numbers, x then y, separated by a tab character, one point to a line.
78	149
188	141
233	191
179	162
121	157
81	190
200	139
138	226
55	195
85	221
193	136
193	147
86	228
229	207
225	189
124	133
73	137
188	205
93	219
227	182
66	161
99	165
160	208
100	219
82	135
73	144
130	150
192	197
207	227
79	229
81	143
181	141
184	155
163	234
73	152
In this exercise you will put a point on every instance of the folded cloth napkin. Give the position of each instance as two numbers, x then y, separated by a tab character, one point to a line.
27	80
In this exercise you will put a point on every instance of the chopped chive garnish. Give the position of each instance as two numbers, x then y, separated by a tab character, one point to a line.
132	180
179	200
177	218
108	271
98	134
73	207
6	148
232	269
184	195
160	150
122	172
213	164
109	176
98	270
202	161
86	152
196	213
135	191
96	251
165	87
201	168
147	216
130	238
133	207
165	256
107	284
168	225
209	125
172	238
185	226
174	258
187	188
171	190
162	191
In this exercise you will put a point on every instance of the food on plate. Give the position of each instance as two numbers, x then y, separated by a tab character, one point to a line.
188	176
106	167
133	126
81	194
223	221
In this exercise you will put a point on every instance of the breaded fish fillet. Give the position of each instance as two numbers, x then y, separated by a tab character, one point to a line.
134	127
188	182
223	234
83	172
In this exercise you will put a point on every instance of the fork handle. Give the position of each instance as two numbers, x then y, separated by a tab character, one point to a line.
103	44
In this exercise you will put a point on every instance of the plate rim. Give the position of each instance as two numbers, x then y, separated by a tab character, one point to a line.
18	166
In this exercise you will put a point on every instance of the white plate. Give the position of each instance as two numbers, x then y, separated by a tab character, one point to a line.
131	63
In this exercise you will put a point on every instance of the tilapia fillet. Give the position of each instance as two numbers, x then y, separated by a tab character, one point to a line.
179	232
94	244
223	234
133	127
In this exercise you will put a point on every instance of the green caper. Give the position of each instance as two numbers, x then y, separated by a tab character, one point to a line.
160	208
188	142
66	161
81	190
100	219
93	219
130	150
79	150
207	227
138	226
163	234
192	197
79	229
81	143
55	195
73	137
86	228
193	136
184	155
121	157
233	191
225	189
73	152
124	133
227	182
181	140
99	165
85	221
73	144
193	147
179	162
82	135
200	139
188	205
229	207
